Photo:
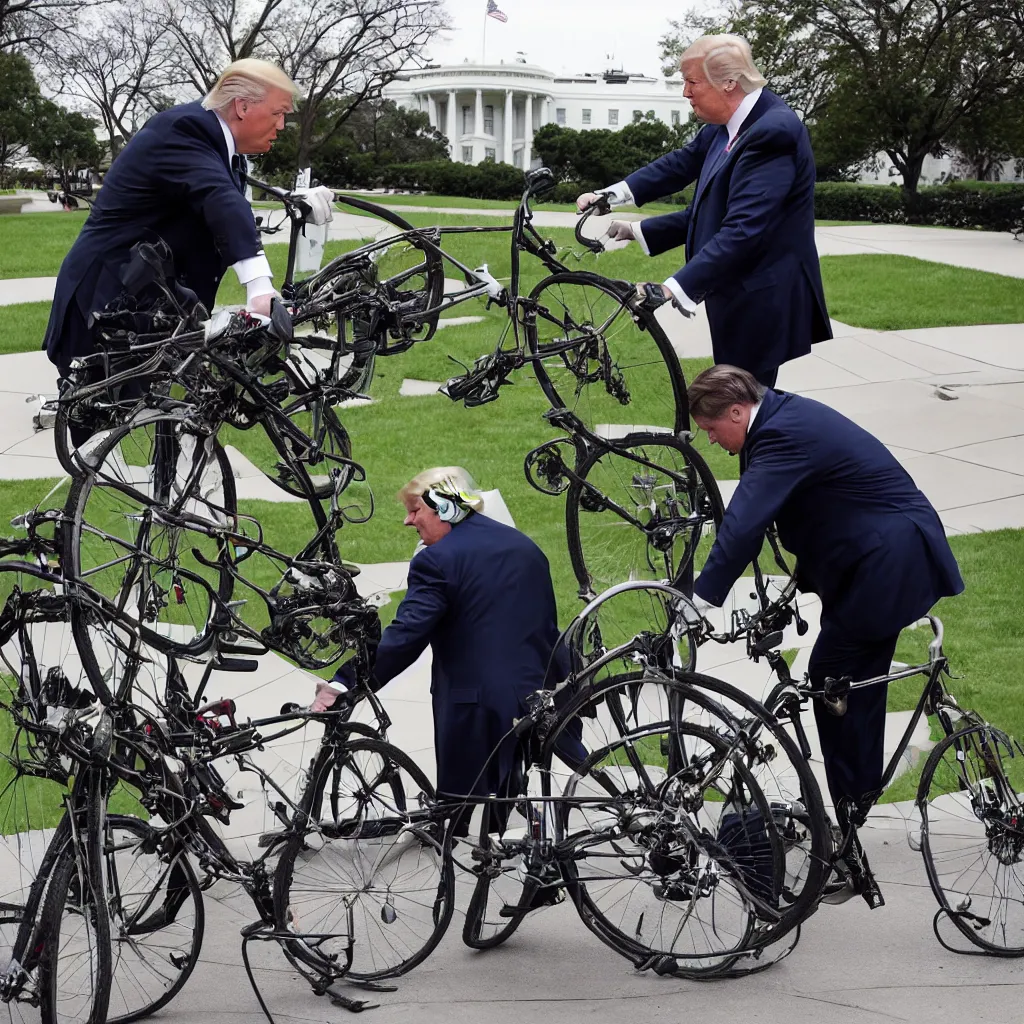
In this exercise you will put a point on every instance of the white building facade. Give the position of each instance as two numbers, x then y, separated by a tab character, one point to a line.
492	111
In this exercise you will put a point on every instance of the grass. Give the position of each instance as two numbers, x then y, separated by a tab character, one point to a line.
900	293
984	640
34	244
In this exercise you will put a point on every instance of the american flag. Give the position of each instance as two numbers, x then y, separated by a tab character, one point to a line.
493	12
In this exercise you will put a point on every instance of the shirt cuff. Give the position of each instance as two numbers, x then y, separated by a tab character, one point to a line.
258	286
618	193
639	236
256	266
680	296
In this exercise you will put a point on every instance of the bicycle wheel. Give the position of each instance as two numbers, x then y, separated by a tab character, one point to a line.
648	509
74	977
972	838
681	864
660	726
369	867
124	538
612	366
156	919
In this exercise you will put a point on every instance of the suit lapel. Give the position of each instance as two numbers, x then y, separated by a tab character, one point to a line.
717	156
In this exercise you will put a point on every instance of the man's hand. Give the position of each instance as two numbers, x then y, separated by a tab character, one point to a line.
326	695
585	201
621	231
260	304
320	201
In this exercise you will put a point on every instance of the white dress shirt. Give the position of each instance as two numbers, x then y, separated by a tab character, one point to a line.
620	193
254	272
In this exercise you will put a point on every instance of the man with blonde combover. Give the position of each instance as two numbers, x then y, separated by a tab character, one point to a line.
179	180
749	231
480	596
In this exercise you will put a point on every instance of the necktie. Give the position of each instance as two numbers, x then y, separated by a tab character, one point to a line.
240	168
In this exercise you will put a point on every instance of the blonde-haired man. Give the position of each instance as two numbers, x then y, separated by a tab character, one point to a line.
179	180
749	231
480	596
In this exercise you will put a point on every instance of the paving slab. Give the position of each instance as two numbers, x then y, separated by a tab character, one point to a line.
1005	454
1003	514
417	388
870	362
815	372
14	291
994	344
949	483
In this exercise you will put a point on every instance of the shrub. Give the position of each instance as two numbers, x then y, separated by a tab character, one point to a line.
841	200
960	204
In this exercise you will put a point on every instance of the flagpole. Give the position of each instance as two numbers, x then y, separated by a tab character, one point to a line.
483	48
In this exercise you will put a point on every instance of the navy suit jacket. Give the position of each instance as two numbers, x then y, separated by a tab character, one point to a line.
173	182
749	235
481	597
867	541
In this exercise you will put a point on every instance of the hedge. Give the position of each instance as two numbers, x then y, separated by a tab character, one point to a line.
962	204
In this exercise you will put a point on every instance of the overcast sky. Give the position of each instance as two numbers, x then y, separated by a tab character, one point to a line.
569	36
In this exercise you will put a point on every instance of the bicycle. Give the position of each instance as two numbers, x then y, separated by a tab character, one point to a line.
972	820
670	835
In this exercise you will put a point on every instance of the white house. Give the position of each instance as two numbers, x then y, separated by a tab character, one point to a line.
491	111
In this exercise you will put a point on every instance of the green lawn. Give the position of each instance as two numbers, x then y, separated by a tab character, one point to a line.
984	639
34	244
893	293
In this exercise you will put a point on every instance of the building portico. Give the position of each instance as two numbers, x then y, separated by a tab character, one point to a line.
492	113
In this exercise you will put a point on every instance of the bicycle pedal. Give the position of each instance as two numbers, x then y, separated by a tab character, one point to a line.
873	896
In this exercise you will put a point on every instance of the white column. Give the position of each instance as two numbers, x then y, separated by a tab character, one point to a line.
506	151
450	130
478	119
545	112
432	110
528	133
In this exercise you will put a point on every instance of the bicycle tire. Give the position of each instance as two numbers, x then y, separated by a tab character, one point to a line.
624	358
665	490
972	833
161	913
76	889
421	836
734	712
107	494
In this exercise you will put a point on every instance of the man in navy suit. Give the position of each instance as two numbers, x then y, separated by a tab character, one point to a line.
179	180
866	541
480	596
749	231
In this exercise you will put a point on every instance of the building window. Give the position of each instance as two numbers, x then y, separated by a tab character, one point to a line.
560	115
517	158
488	120
467	154
467	121
490	155
675	118
613	117
586	116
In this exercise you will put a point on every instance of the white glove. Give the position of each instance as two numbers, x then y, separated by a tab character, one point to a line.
321	203
695	610
620	231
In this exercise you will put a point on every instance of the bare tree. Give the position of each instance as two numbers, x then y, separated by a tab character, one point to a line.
346	51
31	24
120	68
343	51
